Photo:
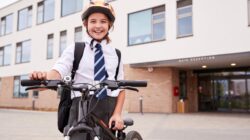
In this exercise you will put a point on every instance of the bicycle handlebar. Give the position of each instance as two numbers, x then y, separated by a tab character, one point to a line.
132	83
53	84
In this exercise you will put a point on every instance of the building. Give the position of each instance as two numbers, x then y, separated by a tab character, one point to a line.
196	51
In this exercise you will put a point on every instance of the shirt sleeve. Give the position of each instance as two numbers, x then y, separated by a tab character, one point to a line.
65	63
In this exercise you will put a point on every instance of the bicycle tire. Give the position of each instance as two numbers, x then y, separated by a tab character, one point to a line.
133	135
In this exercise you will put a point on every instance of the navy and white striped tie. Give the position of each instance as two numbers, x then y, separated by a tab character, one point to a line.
100	71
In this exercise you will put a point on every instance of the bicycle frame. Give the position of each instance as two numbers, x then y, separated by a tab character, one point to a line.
83	110
83	118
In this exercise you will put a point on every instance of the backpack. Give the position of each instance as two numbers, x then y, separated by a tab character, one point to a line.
65	99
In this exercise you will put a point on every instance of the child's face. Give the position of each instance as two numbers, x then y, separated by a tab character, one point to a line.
98	25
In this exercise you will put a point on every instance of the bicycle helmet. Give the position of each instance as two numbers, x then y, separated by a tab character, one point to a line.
99	6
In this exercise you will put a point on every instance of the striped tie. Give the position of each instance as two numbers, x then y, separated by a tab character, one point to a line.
100	71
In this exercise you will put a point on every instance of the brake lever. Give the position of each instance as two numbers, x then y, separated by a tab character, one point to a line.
130	88
32	87
40	87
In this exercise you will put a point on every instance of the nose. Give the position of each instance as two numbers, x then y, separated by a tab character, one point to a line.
98	25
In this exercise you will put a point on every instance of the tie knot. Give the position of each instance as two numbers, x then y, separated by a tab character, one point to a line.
98	46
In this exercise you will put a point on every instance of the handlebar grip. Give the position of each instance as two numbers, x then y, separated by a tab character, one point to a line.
31	82
133	83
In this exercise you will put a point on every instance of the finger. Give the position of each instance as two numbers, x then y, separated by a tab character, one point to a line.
44	75
120	125
40	75
34	75
116	127
110	123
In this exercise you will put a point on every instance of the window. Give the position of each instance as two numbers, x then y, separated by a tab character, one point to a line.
6	24
183	84
5	55
63	41
78	34
248	12
45	11
23	51
19	91
25	18
50	44
71	6
147	26
35	94
184	18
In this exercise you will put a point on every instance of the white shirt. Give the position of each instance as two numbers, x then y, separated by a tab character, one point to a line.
85	72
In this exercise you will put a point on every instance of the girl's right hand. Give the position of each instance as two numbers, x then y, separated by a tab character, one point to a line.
38	75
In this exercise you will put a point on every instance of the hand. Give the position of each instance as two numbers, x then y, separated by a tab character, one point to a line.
119	124
38	75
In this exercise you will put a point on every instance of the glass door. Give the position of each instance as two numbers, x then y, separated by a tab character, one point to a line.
238	94
224	91
205	94
221	94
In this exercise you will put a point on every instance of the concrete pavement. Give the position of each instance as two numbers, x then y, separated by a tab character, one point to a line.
36	125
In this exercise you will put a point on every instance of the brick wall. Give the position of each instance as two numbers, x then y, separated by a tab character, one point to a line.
47	100
157	97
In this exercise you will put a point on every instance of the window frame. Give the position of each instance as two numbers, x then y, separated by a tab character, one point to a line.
248	14
50	44
185	15
42	3
21	52
5	25
3	50
60	41
75	35
151	26
29	17
2	56
72	12
18	95
35	94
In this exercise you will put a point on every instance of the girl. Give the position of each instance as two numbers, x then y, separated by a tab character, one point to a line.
98	17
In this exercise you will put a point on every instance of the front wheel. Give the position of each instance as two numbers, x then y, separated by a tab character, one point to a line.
133	135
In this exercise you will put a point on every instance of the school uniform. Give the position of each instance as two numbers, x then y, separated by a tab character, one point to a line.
85	74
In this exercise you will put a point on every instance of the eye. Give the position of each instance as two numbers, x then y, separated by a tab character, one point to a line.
92	21
103	22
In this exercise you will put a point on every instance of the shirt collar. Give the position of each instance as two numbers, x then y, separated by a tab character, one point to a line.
88	40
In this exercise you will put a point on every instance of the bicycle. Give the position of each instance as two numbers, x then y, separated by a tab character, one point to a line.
85	113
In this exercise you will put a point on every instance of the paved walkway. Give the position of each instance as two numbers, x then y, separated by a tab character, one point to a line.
35	125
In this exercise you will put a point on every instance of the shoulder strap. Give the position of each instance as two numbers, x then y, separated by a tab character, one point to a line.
79	50
118	53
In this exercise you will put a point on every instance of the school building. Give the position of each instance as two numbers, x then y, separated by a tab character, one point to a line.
194	54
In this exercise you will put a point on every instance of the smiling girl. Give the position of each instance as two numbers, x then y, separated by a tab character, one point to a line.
98	17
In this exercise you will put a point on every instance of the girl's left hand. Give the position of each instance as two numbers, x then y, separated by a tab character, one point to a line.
119	124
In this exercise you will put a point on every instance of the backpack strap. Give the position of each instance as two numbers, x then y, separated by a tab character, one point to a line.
118	53
79	50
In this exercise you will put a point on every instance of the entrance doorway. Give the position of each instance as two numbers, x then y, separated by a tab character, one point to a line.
224	91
